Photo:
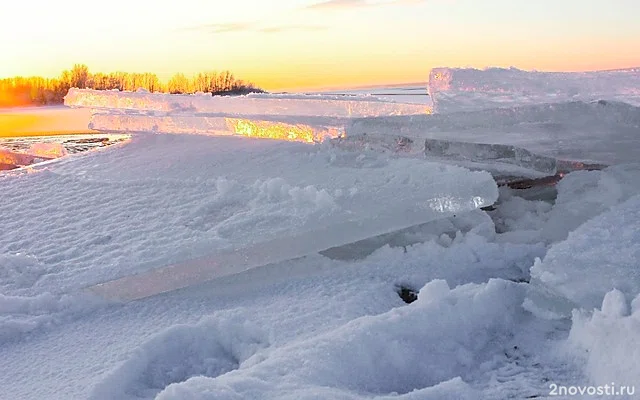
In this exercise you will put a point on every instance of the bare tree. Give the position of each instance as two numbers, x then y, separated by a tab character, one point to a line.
79	76
179	84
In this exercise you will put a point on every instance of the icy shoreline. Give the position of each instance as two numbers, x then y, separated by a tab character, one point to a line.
539	290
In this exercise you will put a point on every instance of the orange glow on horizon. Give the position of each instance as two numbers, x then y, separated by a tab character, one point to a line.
25	122
9	100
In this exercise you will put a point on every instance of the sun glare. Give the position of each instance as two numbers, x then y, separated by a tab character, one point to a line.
281	131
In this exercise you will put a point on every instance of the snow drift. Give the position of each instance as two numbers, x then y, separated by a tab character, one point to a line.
369	356
597	257
607	340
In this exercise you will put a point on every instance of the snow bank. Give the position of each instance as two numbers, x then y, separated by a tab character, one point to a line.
418	351
454	89
599	256
115	347
596	132
607	341
583	195
576	199
292	105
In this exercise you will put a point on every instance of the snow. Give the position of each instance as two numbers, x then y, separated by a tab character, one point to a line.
378	355
469	89
586	194
599	256
607	341
214	347
542	288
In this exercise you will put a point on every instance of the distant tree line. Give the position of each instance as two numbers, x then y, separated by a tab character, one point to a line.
21	91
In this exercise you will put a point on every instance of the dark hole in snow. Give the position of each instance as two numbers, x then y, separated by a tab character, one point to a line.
407	294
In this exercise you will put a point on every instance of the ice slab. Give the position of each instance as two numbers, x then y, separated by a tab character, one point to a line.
216	205
413	93
502	161
598	132
261	104
209	125
489	153
468	89
601	255
8	157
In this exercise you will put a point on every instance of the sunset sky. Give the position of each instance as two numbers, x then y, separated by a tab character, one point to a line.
288	44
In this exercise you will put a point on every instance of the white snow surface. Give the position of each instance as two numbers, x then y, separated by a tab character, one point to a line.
597	257
541	290
469	89
607	340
